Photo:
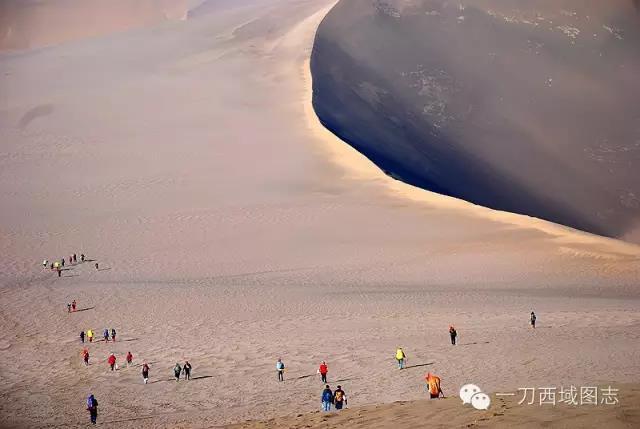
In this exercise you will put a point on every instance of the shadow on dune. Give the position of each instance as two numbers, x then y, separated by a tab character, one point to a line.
527	106
85	309
418	365
200	377
474	343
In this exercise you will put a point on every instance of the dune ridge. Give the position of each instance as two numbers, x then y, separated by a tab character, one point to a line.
521	106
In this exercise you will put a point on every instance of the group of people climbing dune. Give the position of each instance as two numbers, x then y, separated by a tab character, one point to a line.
58	265
329	398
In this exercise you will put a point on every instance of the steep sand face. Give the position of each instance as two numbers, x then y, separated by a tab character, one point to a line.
525	106
28	24
231	229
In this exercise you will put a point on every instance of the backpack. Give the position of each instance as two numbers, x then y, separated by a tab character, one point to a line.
339	395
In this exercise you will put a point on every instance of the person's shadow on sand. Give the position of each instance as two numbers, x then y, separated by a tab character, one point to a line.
419	365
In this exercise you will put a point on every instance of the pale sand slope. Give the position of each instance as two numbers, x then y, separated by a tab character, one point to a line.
185	158
36	23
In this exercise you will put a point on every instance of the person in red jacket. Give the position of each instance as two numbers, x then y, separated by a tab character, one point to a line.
112	361
323	370
129	358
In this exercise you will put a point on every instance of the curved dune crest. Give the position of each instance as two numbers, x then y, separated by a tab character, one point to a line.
32	24
527	107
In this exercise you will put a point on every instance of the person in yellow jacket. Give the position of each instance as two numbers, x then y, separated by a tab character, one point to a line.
90	335
401	358
433	384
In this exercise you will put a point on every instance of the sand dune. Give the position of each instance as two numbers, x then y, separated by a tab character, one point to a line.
520	105
33	23
232	229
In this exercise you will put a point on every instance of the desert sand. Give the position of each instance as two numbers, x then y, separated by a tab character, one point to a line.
506	412
232	229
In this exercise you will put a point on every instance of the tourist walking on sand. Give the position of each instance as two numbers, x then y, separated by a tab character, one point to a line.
92	407
97	269
433	384
112	361
59	271
187	370
532	319
129	358
105	334
75	259
327	398
82	337
401	358
62	262
339	398
280	369
85	356
90	335
323	370
145	372
68	308
45	263
74	305
113	335
177	370
82	257
453	334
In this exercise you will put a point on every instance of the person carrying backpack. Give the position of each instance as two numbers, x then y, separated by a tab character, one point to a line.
92	407
433	385
280	369
177	370
327	398
339	398
105	334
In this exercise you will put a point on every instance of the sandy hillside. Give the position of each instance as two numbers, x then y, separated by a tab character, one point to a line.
28	24
231	230
505	412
